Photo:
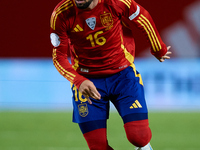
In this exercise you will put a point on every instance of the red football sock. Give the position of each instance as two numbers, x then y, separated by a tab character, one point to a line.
97	139
138	132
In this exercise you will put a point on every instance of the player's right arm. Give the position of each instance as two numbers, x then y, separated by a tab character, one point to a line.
59	40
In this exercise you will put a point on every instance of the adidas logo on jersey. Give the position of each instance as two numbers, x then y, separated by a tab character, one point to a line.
136	104
77	28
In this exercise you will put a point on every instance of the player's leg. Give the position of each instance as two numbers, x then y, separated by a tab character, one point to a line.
95	134
92	117
131	105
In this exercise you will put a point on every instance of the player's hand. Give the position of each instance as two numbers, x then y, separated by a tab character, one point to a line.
88	89
166	56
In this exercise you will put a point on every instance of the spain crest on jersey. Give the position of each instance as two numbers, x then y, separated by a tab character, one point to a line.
83	109
106	19
91	22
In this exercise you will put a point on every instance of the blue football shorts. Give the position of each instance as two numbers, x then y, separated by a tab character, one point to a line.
124	89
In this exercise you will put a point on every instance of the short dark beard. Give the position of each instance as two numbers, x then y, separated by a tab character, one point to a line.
84	6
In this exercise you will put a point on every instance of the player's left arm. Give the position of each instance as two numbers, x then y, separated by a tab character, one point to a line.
137	16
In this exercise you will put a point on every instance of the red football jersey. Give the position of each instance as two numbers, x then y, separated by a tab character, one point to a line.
97	38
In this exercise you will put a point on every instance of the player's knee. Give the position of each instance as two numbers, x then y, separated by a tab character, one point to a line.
139	139
138	132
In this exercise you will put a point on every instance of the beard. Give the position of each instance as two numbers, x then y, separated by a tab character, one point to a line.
83	6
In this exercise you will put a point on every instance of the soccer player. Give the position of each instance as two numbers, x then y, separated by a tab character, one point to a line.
102	68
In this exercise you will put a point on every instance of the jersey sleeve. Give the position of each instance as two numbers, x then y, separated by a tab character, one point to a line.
135	14
61	48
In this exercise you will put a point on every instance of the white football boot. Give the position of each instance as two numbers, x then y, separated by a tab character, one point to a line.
147	147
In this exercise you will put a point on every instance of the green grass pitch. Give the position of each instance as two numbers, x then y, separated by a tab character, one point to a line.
55	131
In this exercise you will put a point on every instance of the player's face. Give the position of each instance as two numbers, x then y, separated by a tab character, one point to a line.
83	4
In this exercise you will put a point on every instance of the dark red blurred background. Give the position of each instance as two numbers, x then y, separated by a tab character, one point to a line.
24	27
